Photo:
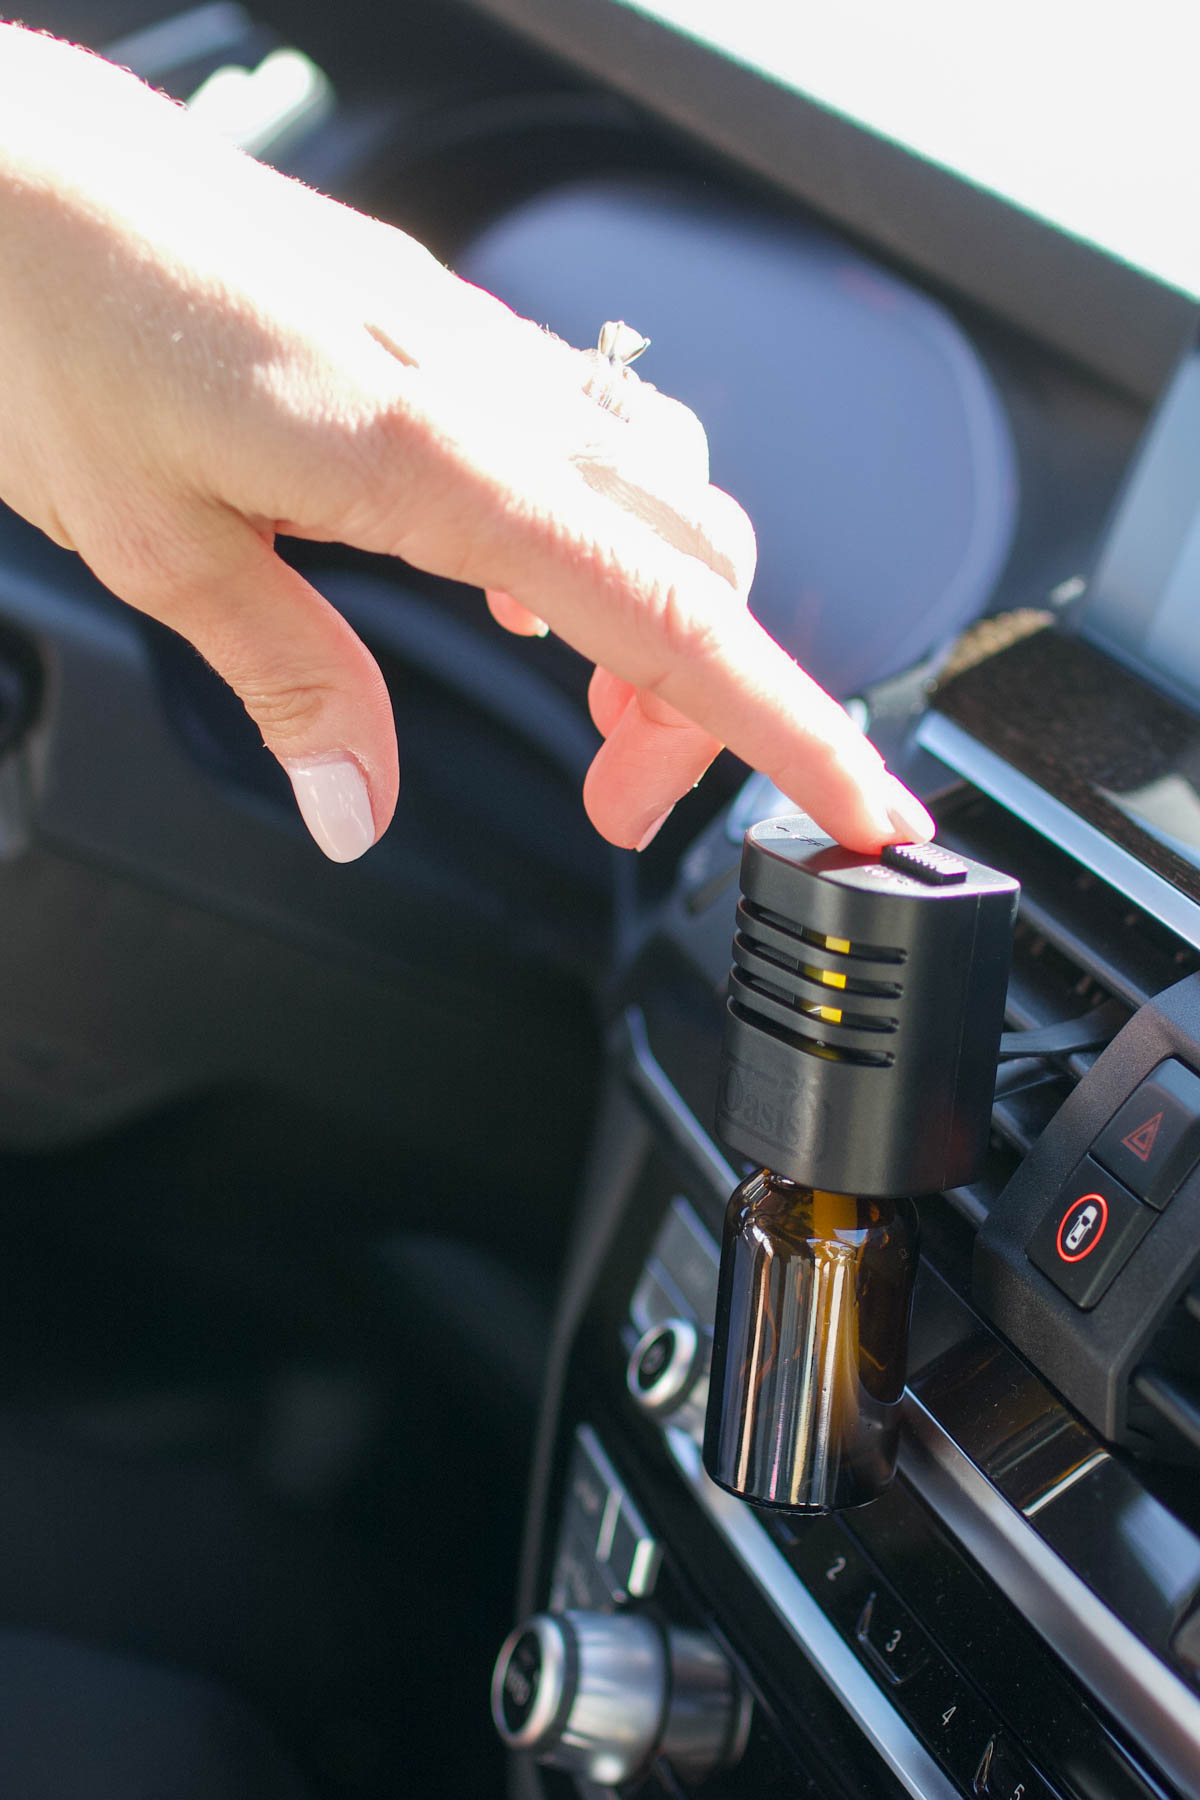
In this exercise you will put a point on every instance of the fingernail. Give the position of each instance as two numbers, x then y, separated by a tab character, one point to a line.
653	830
543	630
335	805
908	816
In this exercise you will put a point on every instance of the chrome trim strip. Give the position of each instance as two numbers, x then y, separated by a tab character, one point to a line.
946	740
1068	1481
829	1655
1127	1678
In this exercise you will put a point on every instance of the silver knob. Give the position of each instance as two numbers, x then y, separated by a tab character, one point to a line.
601	1694
667	1373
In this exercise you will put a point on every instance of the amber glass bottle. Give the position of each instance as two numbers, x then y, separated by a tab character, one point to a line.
810	1342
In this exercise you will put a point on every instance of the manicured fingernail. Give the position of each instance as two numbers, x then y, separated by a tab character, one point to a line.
908	816
653	830
543	630
335	805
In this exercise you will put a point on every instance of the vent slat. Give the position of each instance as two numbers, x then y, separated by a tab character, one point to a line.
1172	1401
1127	953
1022	1116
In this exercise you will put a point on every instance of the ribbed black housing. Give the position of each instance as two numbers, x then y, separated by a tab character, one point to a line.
864	1016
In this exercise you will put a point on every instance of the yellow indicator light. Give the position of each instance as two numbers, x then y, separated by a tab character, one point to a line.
841	945
831	1014
826	977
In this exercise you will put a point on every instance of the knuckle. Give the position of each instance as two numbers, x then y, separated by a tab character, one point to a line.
284	714
684	422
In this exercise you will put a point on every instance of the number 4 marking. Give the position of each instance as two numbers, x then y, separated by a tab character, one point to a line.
949	1714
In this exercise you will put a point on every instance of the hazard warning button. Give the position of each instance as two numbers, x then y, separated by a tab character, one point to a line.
1154	1140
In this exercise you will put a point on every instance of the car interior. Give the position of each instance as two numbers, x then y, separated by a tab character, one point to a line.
362	1224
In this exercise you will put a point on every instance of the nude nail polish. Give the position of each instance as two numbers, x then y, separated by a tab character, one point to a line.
334	803
908	816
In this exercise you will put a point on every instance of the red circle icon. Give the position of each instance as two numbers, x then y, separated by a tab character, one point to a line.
1083	1225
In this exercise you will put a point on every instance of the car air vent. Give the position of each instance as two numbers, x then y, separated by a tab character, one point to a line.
1126	953
1164	1401
1077	945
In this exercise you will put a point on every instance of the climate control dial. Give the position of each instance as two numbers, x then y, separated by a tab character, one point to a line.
667	1373
603	1694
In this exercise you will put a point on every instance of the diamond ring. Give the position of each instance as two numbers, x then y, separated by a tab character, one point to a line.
611	379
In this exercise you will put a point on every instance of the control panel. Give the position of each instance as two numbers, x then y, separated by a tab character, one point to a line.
1089	1260
604	1684
957	1671
1114	1194
1014	1617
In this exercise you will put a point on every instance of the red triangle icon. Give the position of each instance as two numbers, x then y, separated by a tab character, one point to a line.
1141	1141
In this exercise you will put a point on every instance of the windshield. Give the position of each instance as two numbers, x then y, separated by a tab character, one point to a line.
1081	115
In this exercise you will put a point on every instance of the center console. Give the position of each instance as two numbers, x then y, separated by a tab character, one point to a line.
1018	1616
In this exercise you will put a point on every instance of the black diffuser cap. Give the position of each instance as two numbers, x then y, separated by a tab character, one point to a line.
866	1002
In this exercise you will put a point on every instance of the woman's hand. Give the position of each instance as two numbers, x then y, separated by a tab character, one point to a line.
197	353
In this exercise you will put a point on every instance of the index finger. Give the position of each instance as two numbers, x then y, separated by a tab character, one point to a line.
497	500
666	623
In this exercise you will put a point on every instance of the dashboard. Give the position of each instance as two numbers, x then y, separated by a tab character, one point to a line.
1016	1617
968	440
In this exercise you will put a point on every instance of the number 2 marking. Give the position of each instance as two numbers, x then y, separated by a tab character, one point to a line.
835	1568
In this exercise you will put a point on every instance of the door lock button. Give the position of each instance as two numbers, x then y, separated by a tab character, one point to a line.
1089	1234
1153	1141
1081	1227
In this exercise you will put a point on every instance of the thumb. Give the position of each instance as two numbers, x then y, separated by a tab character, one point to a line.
311	685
